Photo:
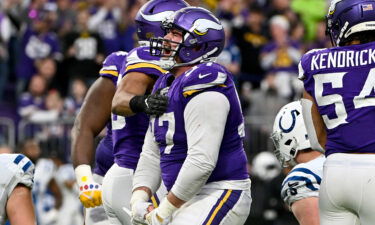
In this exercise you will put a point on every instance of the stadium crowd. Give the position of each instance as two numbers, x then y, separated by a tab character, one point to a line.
51	51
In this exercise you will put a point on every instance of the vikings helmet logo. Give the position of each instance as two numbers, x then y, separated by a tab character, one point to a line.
201	26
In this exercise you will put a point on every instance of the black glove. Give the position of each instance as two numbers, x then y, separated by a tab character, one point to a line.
152	105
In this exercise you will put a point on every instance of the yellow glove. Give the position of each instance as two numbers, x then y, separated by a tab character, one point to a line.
90	192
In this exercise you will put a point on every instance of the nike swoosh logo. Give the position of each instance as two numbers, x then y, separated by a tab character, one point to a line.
203	75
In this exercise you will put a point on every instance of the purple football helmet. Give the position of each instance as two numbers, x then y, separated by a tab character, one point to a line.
150	16
346	17
203	36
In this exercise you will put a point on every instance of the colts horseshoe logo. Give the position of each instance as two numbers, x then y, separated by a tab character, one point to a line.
294	114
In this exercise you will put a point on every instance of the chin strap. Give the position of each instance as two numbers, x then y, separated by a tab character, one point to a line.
203	58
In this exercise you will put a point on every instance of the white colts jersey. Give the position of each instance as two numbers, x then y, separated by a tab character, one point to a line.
15	169
303	181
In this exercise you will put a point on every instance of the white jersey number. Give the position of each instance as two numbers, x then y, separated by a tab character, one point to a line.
336	79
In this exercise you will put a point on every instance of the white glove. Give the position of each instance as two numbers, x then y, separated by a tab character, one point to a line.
139	205
161	215
90	192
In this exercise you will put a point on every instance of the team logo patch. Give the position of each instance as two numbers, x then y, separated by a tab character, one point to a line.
202	26
367	7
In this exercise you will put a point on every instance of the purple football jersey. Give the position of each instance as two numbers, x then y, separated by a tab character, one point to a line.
342	82
104	151
129	132
169	129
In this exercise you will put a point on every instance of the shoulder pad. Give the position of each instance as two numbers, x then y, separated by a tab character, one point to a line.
303	65
300	183
26	177
203	76
113	63
140	60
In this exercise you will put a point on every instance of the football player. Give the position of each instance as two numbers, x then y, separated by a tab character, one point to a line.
128	140
133	98
16	181
196	145
339	113
300	189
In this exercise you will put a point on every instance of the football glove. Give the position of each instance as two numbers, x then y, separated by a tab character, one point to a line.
90	193
140	207
153	105
161	215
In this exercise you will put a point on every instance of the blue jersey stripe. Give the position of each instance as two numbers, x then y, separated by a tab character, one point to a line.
309	184
18	159
305	170
26	166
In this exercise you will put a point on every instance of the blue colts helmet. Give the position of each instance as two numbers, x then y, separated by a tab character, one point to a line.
203	36
346	17
150	16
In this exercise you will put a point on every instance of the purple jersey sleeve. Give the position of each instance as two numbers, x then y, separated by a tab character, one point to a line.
140	60
112	65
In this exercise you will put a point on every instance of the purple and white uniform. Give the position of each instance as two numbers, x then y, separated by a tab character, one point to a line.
204	77
341	80
104	152
196	146
128	135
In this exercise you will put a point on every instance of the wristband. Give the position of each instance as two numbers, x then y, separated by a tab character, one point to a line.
137	103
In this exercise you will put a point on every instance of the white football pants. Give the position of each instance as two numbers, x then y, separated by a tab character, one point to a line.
214	207
347	192
117	191
97	215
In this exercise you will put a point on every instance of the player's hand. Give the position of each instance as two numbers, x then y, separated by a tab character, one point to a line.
156	104
90	192
139	211
153	105
154	218
90	195
161	215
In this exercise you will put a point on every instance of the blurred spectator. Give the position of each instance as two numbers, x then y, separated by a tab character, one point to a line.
267	206
75	99
33	100
105	22
5	149
321	40
5	34
37	43
128	37
280	58
71	209
279	7
311	12
230	57
31	149
46	192
83	50
46	68
250	39
66	17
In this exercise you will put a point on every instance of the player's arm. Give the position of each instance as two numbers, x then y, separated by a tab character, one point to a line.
205	118
306	211
92	118
314	123
131	98
19	207
147	177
